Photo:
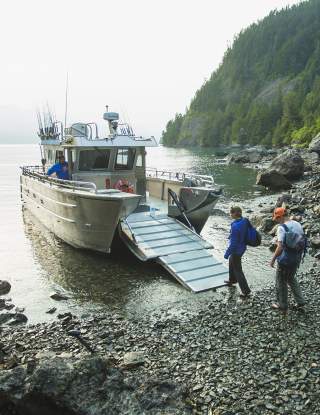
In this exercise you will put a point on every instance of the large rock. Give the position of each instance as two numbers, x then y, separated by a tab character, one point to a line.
241	157
283	200
315	144
255	155
5	287
309	158
273	180
91	386
290	164
266	225
248	155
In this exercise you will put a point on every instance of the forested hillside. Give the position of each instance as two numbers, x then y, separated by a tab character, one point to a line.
266	90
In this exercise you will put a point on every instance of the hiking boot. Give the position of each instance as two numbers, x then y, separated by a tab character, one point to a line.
299	307
245	296
275	306
229	283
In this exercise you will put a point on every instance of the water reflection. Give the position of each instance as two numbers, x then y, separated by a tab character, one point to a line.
35	262
116	282
237	181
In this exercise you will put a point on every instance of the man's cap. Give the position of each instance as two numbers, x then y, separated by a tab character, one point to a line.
278	213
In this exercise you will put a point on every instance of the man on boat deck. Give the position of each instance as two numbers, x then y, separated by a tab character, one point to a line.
60	169
237	247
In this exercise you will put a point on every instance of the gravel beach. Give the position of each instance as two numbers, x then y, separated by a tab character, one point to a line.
232	357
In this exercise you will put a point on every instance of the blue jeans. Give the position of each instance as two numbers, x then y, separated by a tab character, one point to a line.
286	276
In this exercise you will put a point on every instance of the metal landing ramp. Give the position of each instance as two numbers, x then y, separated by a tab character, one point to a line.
182	252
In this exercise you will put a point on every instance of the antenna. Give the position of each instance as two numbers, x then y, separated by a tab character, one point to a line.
66	103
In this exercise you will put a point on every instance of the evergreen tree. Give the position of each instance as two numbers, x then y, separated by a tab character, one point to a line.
267	88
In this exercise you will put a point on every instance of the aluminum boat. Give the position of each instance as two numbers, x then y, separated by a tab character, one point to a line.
108	181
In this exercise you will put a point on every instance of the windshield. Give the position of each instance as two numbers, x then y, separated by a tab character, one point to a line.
94	160
125	159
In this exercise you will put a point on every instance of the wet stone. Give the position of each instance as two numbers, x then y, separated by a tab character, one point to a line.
133	359
5	287
18	318
59	296
4	317
51	310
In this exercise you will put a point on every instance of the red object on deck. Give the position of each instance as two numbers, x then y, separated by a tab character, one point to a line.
108	184
124	186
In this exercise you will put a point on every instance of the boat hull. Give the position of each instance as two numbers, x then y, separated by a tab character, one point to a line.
197	203
80	218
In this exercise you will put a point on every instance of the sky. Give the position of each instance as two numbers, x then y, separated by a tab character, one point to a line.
143	58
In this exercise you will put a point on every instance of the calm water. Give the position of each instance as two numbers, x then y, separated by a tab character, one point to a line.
36	263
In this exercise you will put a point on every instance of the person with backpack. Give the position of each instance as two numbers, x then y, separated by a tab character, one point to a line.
291	245
236	249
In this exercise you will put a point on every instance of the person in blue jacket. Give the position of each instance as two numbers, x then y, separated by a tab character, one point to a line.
60	169
237	247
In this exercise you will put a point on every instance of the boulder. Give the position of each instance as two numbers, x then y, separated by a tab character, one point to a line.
248	155
5	287
283	200
254	156
309	158
290	164
315	144
92	386
273	180
58	296
266	225
238	158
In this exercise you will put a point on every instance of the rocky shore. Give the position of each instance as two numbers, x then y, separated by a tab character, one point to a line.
228	357
232	357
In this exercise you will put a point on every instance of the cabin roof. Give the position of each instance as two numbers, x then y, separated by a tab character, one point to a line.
109	142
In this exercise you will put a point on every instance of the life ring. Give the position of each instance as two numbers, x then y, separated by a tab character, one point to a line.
124	186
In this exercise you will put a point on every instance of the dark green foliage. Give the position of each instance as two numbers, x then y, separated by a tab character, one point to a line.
172	131
267	89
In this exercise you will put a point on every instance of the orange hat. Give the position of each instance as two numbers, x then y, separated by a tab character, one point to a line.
278	213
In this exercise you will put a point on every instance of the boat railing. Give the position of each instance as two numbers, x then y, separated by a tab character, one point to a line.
37	172
201	179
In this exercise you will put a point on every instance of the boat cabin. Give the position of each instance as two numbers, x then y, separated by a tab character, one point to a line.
114	162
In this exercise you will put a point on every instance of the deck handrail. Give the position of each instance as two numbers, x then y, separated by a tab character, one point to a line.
180	176
38	173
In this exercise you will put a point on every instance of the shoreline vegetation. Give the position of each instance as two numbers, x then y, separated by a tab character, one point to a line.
266	89
228	357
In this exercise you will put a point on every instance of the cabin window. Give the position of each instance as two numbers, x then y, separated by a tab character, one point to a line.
125	159
139	162
49	155
94	160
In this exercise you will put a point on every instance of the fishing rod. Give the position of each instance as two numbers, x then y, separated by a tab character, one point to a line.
51	127
66	102
41	131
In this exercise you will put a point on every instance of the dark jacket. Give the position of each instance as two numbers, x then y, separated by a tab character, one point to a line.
61	170
237	238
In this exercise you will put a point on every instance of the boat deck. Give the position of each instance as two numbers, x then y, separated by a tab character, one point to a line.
182	252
